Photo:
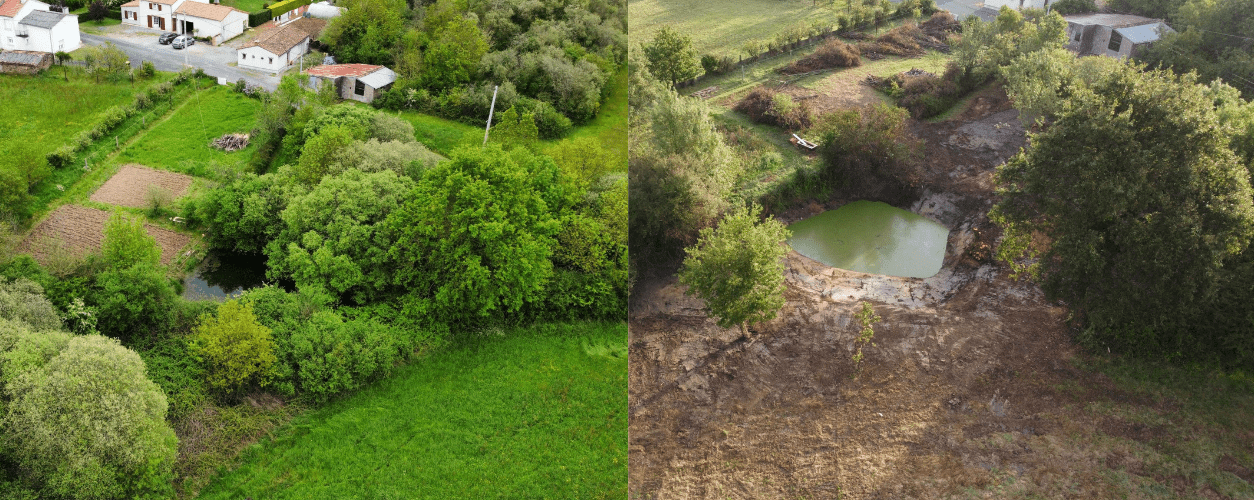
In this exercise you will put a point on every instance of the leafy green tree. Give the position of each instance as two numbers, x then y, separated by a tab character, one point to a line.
367	31
475	235
1140	200
333	236
234	347
323	154
515	129
243	216
1212	38
671	56
88	424
453	56
134	301
127	243
584	160
404	158
328	355
357	120
738	268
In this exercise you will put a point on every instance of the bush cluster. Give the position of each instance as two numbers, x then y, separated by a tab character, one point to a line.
832	54
764	105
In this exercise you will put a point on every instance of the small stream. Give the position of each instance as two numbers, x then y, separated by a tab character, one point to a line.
872	237
223	275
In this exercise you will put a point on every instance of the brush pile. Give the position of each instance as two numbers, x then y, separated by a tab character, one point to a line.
231	142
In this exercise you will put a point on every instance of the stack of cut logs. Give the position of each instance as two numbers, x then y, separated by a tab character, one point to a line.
231	142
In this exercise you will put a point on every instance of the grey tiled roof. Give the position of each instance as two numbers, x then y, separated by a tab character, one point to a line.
42	19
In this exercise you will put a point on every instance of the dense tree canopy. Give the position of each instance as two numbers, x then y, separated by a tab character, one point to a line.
474	237
88	424
1139	199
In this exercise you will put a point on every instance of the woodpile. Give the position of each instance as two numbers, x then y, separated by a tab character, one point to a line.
231	142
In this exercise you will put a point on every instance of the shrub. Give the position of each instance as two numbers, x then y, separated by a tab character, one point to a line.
868	146
328	355
233	346
385	128
61	157
716	65
1068	7
110	440
550	123
23	300
833	54
147	69
126	243
763	105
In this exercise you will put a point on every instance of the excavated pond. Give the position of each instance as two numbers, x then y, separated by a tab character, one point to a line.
872	237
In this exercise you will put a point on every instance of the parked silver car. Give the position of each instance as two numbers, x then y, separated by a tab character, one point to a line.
183	42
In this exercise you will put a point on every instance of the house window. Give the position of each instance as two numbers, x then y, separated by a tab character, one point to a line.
60	45
1077	34
360	88
1116	40
271	60
243	56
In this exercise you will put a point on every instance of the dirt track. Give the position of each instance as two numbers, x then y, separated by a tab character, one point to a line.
129	186
969	386
80	230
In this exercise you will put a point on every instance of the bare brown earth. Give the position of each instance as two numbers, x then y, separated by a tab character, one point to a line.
969	391
129	186
77	231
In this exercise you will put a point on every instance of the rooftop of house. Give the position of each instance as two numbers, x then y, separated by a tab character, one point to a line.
279	40
22	57
10	8
42	19
338	70
1110	20
206	10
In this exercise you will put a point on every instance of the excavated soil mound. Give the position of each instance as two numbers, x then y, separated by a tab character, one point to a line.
130	186
79	230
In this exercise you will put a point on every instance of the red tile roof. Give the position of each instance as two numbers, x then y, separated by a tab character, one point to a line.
206	11
10	8
338	70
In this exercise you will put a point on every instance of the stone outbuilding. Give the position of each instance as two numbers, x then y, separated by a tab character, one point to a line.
359	82
23	62
1113	35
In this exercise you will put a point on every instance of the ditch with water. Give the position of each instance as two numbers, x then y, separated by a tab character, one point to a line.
872	237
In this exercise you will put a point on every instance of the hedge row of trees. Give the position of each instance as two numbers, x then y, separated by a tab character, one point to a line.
553	59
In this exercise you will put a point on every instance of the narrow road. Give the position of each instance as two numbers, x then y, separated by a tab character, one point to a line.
213	60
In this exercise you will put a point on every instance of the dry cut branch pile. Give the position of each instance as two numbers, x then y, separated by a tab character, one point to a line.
231	142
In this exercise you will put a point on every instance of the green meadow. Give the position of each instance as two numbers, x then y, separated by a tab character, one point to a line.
536	412
181	143
723	27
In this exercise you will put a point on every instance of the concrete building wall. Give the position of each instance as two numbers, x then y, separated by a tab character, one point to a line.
259	58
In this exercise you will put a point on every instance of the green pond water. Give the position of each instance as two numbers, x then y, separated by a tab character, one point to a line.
872	237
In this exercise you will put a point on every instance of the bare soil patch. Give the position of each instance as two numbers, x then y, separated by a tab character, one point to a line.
129	187
970	390
78	231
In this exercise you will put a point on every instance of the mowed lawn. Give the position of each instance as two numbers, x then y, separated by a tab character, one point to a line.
523	413
182	142
723	27
247	5
39	114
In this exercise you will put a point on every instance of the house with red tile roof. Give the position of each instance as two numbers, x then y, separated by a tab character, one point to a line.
277	49
359	82
31	25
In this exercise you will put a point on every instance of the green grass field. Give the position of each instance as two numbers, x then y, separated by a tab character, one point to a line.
722	27
181	143
440	134
525	413
41	113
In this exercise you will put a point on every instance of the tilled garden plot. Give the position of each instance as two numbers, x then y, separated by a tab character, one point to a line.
80	231
130	186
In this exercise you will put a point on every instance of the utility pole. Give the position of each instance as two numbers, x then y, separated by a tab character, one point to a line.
490	110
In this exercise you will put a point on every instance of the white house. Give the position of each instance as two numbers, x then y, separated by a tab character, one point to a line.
280	48
1113	35
189	17
155	14
32	26
216	21
359	82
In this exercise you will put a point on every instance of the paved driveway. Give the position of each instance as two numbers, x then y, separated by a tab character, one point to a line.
140	44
